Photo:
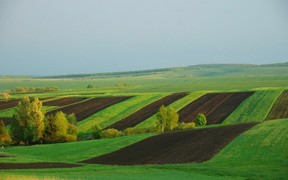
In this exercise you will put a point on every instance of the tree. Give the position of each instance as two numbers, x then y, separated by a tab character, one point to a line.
4	136
27	124
58	129
173	118
167	119
162	118
89	86
200	120
72	119
5	95
96	131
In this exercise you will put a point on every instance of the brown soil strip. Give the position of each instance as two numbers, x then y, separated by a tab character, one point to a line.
187	146
63	101
37	165
87	108
14	102
215	106
8	104
146	112
279	109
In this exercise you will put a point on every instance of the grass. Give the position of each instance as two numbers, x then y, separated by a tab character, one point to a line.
255	108
118	111
177	105
69	152
9	112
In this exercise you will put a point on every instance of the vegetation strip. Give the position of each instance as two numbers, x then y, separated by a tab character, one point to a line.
63	101
279	109
215	106
87	108
187	146
37	165
146	112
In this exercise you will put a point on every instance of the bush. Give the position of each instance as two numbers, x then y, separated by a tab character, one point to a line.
190	125
4	136
200	120
110	133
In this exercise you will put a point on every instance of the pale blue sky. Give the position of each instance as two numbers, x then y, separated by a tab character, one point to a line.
52	37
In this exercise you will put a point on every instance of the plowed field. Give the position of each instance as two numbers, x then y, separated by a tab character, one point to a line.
216	106
188	146
13	103
280	107
63	101
87	108
146	112
37	165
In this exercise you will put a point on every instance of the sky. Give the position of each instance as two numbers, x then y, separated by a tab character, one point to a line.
56	37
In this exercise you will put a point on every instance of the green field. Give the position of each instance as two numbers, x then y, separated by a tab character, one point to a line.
259	153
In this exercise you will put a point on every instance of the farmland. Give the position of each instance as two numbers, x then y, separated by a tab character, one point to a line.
240	139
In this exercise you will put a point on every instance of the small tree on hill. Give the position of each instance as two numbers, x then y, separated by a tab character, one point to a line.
172	120
27	124
58	129
5	95
167	119
4	136
96	131
162	118
89	86
200	120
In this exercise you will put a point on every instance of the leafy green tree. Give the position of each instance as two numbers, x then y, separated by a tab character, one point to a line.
27	124
58	129
96	131
72	119
5	95
162	118
89	86
172	120
200	120
167	119
4	136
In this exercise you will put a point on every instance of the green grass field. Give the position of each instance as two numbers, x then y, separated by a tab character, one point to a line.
260	153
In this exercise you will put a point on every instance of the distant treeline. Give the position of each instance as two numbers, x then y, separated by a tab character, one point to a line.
113	74
32	89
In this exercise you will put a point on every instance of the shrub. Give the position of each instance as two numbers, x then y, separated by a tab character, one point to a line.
110	133
4	136
190	125
200	120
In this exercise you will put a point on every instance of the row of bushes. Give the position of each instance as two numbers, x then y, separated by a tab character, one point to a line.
32	89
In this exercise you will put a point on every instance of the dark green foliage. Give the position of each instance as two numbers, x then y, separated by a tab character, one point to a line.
27	123
4	135
72	119
96	131
89	86
200	120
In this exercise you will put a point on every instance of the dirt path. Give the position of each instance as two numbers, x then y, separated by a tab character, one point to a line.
187	146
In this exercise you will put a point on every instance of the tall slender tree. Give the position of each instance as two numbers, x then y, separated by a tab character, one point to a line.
27	124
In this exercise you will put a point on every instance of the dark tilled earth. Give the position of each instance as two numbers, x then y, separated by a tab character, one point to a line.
187	146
